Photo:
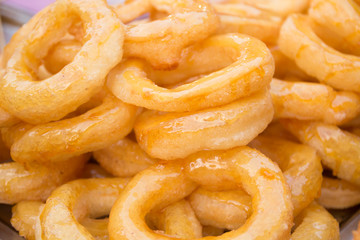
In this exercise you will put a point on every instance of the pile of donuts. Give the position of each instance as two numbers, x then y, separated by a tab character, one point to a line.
167	119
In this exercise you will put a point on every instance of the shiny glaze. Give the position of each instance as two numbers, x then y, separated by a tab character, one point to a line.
339	150
311	101
35	181
56	141
166	183
124	158
250	71
222	127
51	99
338	194
71	203
315	223
299	42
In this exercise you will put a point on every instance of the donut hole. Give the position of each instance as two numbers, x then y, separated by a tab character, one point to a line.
65	50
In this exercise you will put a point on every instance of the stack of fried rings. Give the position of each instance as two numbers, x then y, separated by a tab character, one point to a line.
169	109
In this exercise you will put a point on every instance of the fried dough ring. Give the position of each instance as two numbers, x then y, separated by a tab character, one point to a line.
251	70
217	128
53	98
342	18
338	194
35	181
124	158
312	101
56	141
177	220
161	42
225	209
243	18
26	213
300	164
26	217
163	184
71	203
299	42
315	223
189	21
339	150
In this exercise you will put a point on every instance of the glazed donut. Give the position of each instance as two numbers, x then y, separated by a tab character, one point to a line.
300	164
160	42
35	181
69	204
338	194
233	208
56	141
251	70
297	161
299	42
124	158
25	220
217	128
312	101
163	184
177	219
341	18
315	223
339	150
53	98
243	18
